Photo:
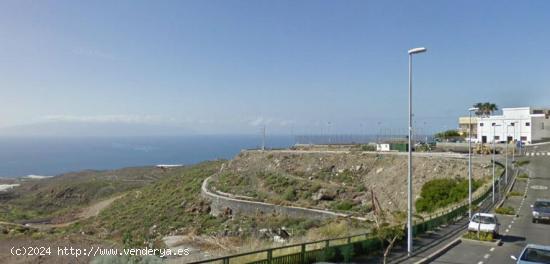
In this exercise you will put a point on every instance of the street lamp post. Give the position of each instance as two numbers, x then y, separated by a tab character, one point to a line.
494	152
470	110
409	178
506	165
514	141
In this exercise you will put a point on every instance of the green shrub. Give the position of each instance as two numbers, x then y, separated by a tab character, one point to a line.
343	205
514	194
520	163
368	148
290	194
505	210
481	236
523	176
439	193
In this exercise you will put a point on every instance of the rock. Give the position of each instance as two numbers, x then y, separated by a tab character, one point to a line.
324	195
278	239
227	211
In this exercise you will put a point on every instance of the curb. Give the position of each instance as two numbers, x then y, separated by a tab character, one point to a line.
439	252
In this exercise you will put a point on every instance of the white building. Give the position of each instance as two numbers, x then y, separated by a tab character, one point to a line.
530	125
383	147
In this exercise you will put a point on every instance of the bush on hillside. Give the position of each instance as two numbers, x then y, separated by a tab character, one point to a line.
439	193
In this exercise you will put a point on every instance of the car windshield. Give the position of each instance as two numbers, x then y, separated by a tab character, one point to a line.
484	219
536	255
541	204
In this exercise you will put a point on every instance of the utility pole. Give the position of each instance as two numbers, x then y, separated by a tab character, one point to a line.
263	138
514	141
494	152
470	162
506	166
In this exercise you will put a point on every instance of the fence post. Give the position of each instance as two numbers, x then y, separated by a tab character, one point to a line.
347	257
303	254
326	250
269	256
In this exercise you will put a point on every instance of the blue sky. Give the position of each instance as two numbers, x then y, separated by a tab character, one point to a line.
231	66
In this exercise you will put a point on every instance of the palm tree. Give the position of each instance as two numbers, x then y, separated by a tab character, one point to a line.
485	109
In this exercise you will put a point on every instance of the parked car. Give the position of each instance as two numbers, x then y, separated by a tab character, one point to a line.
532	254
541	210
482	222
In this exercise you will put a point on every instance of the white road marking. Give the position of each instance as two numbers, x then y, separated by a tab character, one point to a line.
509	226
492	249
506	230
486	256
481	262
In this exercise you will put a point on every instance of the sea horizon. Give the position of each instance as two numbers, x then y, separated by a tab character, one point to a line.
52	156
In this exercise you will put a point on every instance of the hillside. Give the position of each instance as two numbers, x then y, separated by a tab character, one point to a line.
335	180
56	199
146	206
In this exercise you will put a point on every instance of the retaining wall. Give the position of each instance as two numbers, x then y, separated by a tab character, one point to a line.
219	205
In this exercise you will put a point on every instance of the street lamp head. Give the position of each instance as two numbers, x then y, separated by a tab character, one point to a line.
417	50
473	109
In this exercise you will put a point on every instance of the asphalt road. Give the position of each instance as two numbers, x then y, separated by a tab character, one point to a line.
517	231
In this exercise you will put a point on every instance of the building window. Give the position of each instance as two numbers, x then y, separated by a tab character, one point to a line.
527	124
513	124
524	138
497	137
480	124
494	124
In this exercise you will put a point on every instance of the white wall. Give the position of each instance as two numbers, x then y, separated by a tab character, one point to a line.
382	147
541	128
518	116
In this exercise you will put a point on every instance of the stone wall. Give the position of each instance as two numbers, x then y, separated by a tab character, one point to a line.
222	204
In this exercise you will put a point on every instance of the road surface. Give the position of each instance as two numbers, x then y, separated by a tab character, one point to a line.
517	230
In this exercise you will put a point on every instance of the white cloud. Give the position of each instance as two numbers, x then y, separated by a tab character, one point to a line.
270	121
256	122
133	119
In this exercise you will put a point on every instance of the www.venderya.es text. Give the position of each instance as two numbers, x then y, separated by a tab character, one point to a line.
97	251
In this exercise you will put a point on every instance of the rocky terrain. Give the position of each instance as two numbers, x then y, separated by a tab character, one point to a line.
341	181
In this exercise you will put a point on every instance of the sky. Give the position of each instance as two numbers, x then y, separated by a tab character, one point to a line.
297	67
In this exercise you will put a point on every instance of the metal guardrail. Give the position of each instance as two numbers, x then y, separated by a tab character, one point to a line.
342	248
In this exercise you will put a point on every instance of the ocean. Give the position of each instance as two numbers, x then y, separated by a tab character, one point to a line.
53	156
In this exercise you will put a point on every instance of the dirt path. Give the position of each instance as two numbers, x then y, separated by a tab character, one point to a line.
95	209
85	213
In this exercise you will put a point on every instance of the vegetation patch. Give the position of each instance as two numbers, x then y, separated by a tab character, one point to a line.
439	193
508	210
514	193
171	204
368	147
64	194
479	236
523	176
520	163
448	134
